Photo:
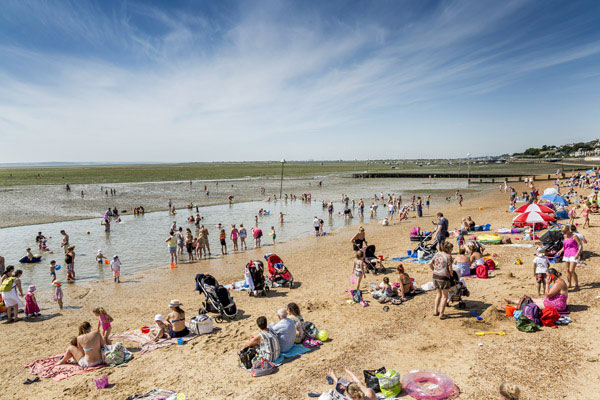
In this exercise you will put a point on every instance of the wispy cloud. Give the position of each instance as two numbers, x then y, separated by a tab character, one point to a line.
163	84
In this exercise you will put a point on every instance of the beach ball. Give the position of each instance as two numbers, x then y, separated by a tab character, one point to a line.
322	336
57	267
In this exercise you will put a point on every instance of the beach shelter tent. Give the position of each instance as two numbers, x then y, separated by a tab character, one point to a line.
556	199
534	207
532	217
551	190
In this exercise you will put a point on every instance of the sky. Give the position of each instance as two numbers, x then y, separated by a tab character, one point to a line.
187	81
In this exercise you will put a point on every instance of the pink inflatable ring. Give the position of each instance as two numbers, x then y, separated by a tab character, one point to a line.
428	385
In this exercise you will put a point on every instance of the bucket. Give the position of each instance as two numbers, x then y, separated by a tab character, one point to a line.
145	329
180	340
409	252
101	382
510	310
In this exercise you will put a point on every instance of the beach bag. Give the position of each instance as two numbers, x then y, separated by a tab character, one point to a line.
310	330
549	316
357	296
353	279
523	302
246	357
481	271
371	380
263	367
7	284
532	311
491	265
524	324
201	324
310	343
389	383
116	354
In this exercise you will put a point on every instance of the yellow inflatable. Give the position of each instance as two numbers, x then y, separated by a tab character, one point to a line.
490	239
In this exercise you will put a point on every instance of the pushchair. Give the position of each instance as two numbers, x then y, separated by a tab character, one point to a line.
457	291
371	261
425	250
257	273
217	299
552	242
278	273
416	235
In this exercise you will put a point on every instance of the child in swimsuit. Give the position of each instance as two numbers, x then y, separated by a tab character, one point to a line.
52	271
222	237
273	234
104	321
243	235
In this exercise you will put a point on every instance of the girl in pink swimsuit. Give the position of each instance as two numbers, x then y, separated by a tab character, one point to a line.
571	252
104	321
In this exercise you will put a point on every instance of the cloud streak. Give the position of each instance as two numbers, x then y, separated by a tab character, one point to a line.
255	82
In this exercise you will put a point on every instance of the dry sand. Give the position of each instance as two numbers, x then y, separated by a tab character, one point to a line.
551	364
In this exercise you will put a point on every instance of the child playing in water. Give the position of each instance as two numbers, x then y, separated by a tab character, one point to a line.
52	271
273	234
29	254
222	236
540	269
104	321
99	257
31	306
58	294
243	235
115	266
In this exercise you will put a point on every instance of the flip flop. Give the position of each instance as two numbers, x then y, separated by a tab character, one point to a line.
329	379
36	379
313	394
27	381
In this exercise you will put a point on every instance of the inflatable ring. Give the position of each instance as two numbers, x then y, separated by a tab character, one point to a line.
428	385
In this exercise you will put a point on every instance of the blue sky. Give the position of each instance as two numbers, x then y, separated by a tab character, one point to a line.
256	80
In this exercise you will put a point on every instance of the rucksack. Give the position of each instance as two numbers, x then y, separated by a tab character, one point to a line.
491	265
7	284
481	271
532	311
371	381
310	330
247	356
357	296
523	302
549	316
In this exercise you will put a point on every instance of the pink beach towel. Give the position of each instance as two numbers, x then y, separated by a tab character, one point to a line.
45	368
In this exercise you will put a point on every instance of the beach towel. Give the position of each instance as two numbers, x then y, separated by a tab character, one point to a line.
144	343
520	245
417	261
155	394
399	259
237	286
46	368
296	351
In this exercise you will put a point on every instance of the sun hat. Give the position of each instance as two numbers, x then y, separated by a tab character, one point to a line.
32	288
175	303
158	317
99	251
115	257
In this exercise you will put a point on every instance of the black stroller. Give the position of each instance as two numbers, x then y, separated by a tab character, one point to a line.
457	291
257	273
373	263
424	250
552	242
217	299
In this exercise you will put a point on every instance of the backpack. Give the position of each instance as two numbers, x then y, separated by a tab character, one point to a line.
7	284
481	271
356	296
262	368
247	356
523	302
310	330
549	316
371	381
491	265
532	311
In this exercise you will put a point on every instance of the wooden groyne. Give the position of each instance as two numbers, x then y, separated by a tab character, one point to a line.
474	178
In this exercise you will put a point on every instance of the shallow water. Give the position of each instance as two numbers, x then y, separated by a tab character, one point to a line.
139	240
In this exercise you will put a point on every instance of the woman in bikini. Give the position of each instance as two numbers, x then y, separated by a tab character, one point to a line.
462	263
358	240
234	237
475	256
176	320
404	283
86	350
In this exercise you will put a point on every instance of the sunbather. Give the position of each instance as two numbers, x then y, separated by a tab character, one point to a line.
405	285
86	350
355	390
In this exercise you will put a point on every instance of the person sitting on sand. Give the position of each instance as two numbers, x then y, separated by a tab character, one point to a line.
475	256
284	330
470	224
266	343
384	293
557	293
176	320
462	263
86	349
161	331
294	315
355	390
404	283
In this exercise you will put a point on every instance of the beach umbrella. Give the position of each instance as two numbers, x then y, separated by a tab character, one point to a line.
533	217
534	207
556	199
551	190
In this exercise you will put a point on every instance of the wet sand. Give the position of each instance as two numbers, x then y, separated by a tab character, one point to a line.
553	363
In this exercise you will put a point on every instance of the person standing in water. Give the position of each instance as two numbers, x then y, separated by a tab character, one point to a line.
205	243
222	236
106	223
243	235
234	237
64	243
70	262
172	245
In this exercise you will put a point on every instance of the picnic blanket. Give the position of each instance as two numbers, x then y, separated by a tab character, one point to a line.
296	351
144	343
46	368
401	258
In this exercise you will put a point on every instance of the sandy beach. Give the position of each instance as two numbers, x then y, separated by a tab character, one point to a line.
552	364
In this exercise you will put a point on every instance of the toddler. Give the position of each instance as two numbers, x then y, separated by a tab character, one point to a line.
31	306
540	268
104	321
58	294
115	266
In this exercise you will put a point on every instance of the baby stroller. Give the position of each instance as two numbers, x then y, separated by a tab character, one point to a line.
372	262
457	291
257	273
416	235
424	250
217	300
278	273
552	242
